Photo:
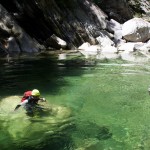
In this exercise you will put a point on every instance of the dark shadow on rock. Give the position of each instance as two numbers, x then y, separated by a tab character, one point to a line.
103	133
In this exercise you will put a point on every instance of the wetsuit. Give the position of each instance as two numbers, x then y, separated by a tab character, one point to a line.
30	103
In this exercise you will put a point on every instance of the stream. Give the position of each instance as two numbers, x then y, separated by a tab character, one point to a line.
109	101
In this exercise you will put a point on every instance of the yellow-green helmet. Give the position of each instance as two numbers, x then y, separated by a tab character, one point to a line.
35	92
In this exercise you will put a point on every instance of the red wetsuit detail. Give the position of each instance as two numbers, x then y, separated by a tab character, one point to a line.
26	95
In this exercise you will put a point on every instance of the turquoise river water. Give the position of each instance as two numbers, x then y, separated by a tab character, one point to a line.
109	100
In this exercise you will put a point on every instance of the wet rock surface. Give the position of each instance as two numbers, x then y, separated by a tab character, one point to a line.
49	128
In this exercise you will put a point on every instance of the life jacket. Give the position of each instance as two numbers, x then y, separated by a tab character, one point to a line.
26	95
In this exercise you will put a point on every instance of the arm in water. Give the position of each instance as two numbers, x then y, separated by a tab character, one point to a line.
21	104
42	99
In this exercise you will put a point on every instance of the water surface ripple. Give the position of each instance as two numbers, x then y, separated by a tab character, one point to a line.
109	100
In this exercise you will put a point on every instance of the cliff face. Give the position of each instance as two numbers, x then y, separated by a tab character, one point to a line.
72	21
118	10
31	23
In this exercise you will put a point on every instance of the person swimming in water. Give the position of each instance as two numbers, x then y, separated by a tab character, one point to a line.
30	101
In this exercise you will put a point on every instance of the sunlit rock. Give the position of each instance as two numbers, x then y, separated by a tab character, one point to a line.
113	25
134	51
133	56
117	36
143	47
104	40
84	46
56	42
136	30
109	52
128	47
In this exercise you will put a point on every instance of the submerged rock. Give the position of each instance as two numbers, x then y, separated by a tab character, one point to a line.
46	128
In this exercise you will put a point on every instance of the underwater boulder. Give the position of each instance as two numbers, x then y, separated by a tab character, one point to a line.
48	127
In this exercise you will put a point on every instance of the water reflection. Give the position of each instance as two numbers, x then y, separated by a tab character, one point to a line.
44	73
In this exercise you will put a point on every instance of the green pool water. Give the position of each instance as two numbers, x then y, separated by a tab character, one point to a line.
109	100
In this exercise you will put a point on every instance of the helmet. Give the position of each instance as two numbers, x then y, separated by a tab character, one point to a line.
35	92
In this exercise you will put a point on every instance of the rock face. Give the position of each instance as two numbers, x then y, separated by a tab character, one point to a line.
75	22
13	38
118	10
72	21
140	6
29	26
136	30
129	42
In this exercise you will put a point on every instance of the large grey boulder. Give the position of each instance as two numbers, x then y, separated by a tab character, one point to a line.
136	30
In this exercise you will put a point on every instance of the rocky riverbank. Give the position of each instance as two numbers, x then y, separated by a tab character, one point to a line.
120	30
